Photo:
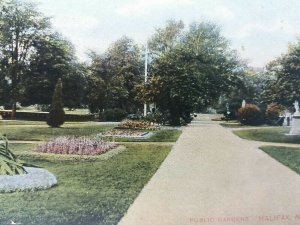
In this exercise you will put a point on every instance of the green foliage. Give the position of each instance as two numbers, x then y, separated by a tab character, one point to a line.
9	164
190	70
273	112
157	117
113	76
56	115
53	58
112	115
285	88
250	115
20	25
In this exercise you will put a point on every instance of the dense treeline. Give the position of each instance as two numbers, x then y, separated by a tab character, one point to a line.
190	69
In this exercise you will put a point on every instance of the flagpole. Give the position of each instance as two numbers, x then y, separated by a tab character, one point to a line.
146	75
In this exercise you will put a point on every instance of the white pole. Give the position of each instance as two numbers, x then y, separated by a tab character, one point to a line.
146	75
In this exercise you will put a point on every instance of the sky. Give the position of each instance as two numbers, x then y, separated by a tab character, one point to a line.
260	30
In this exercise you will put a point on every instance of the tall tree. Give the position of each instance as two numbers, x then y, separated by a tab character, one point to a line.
20	25
117	72
54	58
284	89
192	72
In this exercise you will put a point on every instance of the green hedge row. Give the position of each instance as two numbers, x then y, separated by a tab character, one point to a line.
42	116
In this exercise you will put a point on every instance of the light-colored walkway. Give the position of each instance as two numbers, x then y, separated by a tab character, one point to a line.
213	177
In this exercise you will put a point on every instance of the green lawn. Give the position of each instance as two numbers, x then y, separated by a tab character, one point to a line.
286	155
42	133
96	192
238	125
274	134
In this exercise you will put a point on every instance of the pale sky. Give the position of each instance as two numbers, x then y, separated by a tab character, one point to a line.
259	29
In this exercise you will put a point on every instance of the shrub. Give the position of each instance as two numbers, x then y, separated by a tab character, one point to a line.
113	115
9	164
157	117
272	114
250	115
76	146
56	116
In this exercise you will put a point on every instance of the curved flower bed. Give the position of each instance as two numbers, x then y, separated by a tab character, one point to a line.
35	179
127	133
142	125
76	146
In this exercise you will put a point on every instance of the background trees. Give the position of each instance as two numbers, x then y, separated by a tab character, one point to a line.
20	25
113	77
53	58
284	88
190	69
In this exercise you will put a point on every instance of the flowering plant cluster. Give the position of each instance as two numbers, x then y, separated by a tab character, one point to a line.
76	146
142	125
125	133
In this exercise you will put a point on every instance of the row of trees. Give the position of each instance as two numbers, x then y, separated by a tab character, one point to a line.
190	68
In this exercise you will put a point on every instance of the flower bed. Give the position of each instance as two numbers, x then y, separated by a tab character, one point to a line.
141	125
127	133
35	179
76	146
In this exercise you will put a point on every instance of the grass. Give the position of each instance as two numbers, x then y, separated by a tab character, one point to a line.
43	133
238	125
97	192
286	155
275	134
159	136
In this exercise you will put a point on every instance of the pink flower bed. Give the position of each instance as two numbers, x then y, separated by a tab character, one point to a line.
76	146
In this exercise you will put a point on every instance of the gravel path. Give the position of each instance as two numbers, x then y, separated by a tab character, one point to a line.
213	177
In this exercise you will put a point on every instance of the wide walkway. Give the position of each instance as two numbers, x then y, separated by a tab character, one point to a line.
213	177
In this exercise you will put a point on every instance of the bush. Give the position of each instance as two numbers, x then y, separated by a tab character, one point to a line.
114	115
272	114
56	116
42	116
250	115
157	117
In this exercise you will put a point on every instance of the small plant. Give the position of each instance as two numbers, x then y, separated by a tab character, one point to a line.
56	115
250	115
9	164
76	146
272	114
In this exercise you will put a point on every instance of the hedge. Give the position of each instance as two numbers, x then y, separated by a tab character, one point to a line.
42	116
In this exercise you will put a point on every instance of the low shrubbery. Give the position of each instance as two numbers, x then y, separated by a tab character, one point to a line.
142	125
76	146
113	115
250	115
42	116
272	114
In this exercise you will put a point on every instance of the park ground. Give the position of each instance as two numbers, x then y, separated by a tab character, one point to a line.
208	176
